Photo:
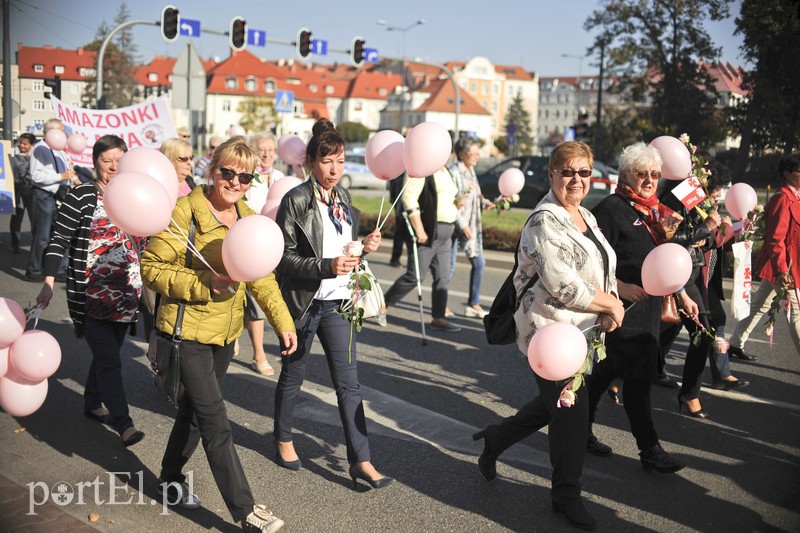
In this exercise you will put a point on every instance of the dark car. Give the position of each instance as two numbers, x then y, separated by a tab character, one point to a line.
536	185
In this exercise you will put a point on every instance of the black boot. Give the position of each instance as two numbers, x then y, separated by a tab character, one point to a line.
655	458
595	447
487	462
576	514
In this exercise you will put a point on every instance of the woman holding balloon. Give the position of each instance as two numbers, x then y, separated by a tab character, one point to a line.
213	319
103	286
573	266
318	223
635	223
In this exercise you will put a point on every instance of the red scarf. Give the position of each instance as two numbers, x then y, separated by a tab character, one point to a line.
659	219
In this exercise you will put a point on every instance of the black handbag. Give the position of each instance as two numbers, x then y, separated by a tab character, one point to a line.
164	350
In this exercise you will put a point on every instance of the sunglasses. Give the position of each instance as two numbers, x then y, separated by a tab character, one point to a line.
569	172
642	174
228	175
185	159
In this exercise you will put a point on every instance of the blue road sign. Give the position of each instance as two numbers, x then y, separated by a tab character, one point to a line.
190	28
569	134
256	37
371	55
319	47
284	101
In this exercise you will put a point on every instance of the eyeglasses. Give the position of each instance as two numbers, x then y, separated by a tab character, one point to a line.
212	148
228	175
570	172
186	136
642	174
185	159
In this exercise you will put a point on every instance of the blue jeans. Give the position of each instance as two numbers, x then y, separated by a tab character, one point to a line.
43	218
322	320
475	275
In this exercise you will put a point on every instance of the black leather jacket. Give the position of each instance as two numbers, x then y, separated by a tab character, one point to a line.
693	229
302	267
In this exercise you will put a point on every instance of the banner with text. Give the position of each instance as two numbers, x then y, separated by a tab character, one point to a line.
146	124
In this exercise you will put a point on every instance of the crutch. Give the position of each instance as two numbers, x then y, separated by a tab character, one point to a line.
416	271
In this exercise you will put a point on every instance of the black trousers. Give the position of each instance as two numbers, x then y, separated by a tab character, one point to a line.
104	382
24	197
635	399
322	320
697	354
567	434
202	416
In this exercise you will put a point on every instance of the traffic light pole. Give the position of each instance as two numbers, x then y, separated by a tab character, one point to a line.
100	54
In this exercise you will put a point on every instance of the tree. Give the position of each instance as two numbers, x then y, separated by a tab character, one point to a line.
119	65
518	124
767	120
258	113
353	132
659	49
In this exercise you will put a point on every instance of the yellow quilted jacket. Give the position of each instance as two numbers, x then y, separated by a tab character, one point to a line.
209	318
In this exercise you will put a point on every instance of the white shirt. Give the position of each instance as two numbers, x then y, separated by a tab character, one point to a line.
333	246
256	197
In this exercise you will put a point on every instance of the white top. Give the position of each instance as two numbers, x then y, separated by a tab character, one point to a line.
256	197
333	246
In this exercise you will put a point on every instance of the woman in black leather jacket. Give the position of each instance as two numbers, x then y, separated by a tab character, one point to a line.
318	222
697	236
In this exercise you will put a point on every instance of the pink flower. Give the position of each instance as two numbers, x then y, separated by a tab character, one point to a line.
567	398
353	249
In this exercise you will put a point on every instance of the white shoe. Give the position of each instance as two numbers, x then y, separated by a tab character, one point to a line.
380	318
179	494
261	520
471	312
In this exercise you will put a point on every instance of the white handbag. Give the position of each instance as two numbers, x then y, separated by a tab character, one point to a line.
370	300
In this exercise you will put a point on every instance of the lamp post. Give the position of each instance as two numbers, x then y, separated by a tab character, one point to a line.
403	30
578	84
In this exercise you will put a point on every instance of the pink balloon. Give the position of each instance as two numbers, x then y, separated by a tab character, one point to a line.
427	149
270	209
511	182
557	351
384	155
292	150
666	269
56	139
677	161
3	361
76	143
236	130
36	355
12	321
19	396
137	204
153	163
281	187
740	199
252	248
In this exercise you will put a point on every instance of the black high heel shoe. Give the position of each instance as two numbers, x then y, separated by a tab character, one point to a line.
356	474
487	462
694	414
614	395
289	465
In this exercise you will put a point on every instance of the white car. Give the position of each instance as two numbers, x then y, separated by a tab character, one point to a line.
356	173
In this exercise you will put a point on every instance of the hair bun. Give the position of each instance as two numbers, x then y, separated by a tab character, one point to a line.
321	126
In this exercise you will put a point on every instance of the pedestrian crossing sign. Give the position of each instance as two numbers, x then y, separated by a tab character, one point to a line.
284	101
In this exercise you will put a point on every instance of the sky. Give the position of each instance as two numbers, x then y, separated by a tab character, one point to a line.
534	34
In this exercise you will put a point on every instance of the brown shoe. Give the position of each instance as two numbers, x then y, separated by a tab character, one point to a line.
263	367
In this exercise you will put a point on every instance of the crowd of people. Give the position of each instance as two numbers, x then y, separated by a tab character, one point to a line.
574	265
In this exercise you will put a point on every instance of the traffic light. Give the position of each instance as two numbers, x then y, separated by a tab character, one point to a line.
303	43
170	23
357	51
237	36
55	85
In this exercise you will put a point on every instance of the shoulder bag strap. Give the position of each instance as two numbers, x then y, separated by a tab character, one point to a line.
176	336
516	264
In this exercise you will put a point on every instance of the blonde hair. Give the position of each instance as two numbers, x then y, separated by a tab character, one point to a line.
235	152
569	150
172	148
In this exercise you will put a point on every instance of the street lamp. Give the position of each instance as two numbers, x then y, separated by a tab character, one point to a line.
578	84
404	30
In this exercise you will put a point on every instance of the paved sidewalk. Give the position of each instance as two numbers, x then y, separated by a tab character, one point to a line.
49	517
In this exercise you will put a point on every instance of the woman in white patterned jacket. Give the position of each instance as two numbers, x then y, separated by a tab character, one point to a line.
562	247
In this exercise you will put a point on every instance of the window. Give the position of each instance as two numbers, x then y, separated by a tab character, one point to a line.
37	86
312	87
226	105
38	68
329	89
484	104
231	83
510	90
558	114
250	85
495	89
38	124
358	105
38	105
269	86
86	72
473	87
74	88
152	76
485	88
59	69
494	107
383	91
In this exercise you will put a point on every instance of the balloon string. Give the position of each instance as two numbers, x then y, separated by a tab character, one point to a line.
598	325
33	314
192	248
380	211
399	195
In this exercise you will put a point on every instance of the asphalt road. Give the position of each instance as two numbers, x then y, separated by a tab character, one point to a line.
423	404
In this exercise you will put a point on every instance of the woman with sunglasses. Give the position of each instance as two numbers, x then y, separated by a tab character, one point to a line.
565	273
318	221
179	152
212	320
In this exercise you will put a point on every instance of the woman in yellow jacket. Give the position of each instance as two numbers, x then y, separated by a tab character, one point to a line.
212	321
